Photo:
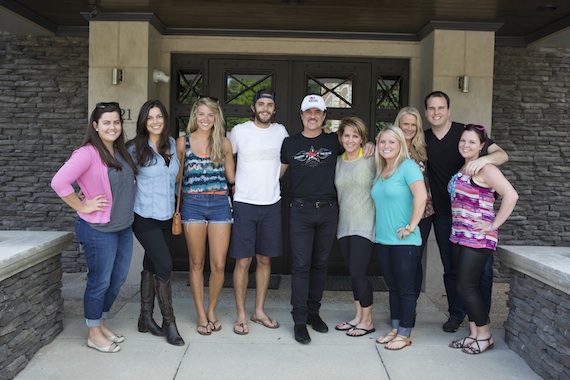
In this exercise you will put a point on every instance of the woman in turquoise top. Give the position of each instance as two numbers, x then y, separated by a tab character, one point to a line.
400	195
153	150
206	213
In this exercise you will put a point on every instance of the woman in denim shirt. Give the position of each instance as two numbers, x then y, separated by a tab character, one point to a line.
154	152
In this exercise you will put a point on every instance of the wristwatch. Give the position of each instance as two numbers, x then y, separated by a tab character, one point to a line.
409	229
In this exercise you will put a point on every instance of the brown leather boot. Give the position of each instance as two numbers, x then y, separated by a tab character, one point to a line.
146	322
164	295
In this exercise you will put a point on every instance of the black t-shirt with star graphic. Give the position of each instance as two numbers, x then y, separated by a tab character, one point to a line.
312	165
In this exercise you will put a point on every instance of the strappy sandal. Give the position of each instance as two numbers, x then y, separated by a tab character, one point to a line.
398	339
460	343
476	350
386	338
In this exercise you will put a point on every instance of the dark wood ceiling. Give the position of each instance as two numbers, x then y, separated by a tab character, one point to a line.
517	19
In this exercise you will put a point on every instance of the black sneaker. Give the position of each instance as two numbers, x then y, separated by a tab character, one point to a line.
301	334
318	324
451	325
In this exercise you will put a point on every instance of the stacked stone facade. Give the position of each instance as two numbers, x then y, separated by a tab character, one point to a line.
537	326
43	114
531	121
31	314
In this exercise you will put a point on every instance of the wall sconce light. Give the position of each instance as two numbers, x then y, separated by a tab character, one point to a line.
117	75
463	83
160	76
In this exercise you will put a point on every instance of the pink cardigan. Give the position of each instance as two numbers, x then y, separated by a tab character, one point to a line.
86	167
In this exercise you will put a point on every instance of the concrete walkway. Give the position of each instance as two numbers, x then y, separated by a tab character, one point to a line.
264	353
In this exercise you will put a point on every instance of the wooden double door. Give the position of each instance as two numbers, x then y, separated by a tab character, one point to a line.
372	89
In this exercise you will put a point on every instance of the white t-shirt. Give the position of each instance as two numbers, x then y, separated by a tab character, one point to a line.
258	162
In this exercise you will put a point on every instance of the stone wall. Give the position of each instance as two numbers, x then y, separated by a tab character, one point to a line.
43	113
531	121
537	326
31	314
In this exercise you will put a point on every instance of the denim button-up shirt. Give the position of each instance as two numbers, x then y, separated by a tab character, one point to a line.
155	186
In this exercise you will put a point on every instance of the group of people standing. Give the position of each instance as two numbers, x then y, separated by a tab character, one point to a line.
371	197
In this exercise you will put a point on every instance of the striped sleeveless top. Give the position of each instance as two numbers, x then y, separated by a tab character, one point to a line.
200	174
471	203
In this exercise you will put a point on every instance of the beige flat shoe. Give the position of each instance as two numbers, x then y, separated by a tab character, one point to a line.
110	349
117	338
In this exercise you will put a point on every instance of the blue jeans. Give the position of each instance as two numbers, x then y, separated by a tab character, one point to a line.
399	264
108	256
456	309
313	233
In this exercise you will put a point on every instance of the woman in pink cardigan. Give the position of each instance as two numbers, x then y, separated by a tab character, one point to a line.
105	173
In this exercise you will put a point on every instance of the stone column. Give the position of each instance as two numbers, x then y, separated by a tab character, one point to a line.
132	46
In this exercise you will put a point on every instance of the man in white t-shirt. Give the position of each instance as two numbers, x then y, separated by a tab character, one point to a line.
257	205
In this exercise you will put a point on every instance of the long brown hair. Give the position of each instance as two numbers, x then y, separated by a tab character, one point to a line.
93	138
144	153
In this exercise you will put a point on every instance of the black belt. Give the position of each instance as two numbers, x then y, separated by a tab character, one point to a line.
315	204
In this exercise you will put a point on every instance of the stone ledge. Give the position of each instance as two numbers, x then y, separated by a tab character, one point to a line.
549	265
20	250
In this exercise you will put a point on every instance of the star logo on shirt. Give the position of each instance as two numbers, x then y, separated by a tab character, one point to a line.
313	157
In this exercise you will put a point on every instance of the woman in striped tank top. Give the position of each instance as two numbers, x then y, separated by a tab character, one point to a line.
474	233
206	212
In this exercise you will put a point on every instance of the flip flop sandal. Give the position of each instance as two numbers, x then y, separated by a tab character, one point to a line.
265	322
202	332
213	324
386	338
342	326
243	328
398	339
365	331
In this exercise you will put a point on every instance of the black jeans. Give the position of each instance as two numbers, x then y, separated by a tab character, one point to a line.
313	232
425	228
442	228
357	252
154	235
470	264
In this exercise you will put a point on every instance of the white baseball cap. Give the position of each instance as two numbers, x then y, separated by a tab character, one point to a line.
313	101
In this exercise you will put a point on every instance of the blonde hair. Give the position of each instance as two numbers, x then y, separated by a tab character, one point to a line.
381	163
418	145
355	123
217	133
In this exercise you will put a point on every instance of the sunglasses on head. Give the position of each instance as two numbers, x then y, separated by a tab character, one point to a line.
477	127
104	105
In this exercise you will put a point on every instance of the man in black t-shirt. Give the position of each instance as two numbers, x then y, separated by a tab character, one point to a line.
444	160
311	156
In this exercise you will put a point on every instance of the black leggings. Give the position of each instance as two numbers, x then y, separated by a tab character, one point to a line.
357	252
469	264
154	235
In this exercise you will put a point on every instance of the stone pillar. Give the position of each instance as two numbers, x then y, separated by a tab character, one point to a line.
448	54
132	46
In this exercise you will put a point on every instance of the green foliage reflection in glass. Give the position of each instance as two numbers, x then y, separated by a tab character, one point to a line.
190	87
388	92
240	88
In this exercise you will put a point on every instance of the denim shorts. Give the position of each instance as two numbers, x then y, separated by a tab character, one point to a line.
206	208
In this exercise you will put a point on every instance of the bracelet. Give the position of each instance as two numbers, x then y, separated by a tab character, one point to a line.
409	228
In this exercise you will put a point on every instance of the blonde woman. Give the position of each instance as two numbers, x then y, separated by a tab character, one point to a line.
410	122
399	195
206	213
